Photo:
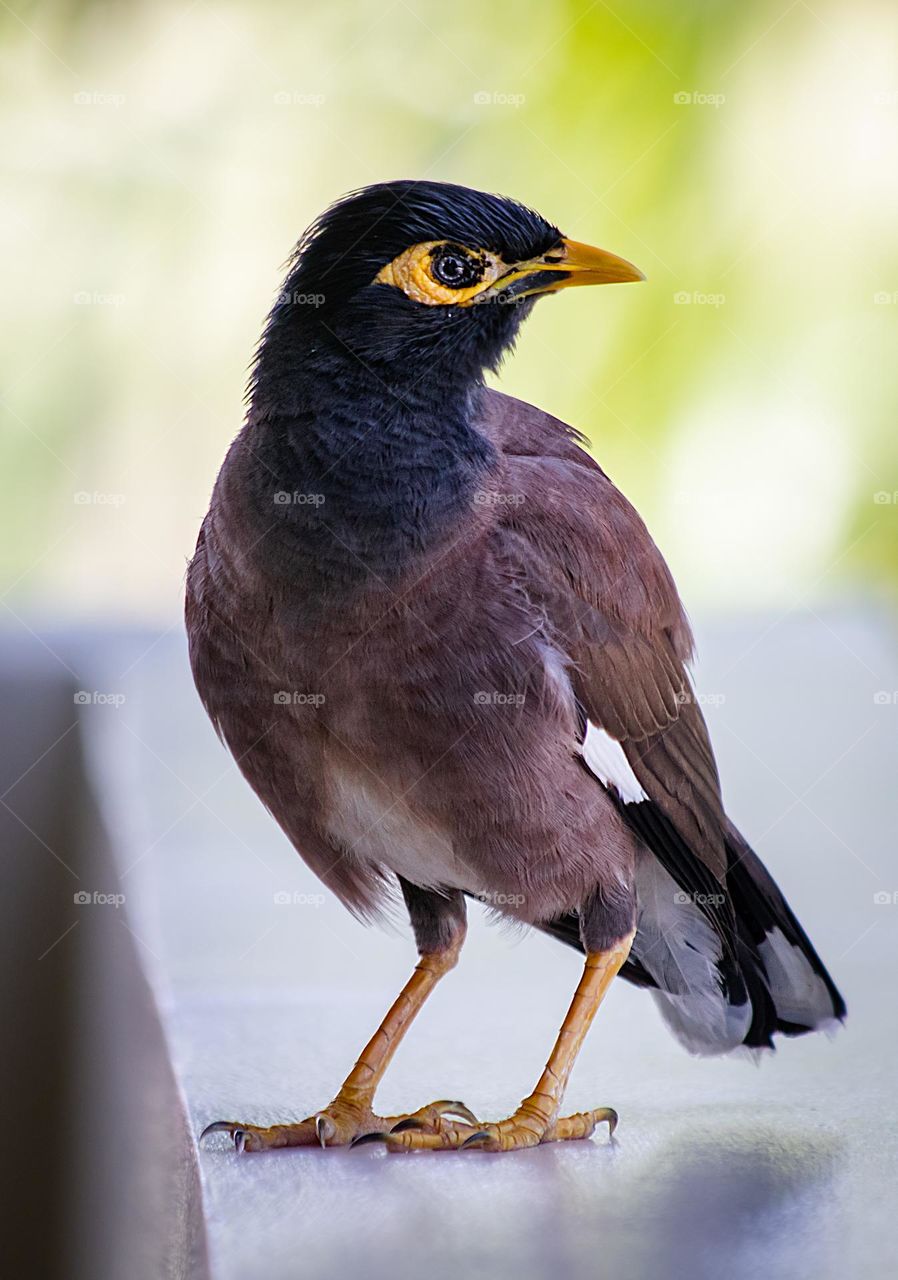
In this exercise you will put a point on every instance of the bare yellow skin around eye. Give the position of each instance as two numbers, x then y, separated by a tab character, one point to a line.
410	272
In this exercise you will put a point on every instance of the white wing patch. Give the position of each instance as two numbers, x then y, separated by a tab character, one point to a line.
605	758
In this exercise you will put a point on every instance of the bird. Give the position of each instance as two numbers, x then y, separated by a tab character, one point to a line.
446	654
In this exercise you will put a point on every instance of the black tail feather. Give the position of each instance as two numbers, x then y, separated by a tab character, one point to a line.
761	913
766	958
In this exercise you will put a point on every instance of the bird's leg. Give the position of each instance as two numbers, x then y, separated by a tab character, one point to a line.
350	1115
536	1119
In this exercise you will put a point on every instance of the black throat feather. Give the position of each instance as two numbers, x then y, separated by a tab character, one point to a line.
364	403
359	477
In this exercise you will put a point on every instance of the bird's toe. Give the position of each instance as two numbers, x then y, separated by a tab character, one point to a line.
252	1137
435	1116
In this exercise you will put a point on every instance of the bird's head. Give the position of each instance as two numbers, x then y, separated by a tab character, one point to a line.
426	277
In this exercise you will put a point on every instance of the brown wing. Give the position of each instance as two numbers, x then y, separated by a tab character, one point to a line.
586	557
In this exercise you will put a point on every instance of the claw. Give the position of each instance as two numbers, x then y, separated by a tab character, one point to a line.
229	1127
480	1136
408	1123
377	1136
325	1129
456	1109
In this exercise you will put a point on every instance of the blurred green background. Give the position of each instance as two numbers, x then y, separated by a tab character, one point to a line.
162	158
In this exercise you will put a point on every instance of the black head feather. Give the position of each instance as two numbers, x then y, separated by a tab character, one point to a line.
330	308
348	244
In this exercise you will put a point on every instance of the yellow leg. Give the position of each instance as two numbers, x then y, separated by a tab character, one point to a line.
536	1119
350	1115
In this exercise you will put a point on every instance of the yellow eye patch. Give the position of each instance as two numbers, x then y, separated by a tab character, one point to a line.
440	273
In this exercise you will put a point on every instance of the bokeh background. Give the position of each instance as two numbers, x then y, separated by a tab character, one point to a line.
166	957
162	158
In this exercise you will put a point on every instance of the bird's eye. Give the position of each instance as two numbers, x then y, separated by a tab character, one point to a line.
441	273
455	269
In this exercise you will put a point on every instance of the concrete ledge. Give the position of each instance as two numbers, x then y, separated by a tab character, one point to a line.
100	1161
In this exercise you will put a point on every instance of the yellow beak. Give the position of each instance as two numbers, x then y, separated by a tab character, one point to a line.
571	263
588	265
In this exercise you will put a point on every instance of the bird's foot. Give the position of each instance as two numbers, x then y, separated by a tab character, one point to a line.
345	1122
530	1126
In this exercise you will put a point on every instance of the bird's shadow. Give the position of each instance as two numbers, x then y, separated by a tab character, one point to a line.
739	1200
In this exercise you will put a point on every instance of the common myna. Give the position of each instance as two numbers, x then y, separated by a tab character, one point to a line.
448	657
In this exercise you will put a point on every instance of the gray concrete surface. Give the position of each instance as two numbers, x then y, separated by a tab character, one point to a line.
721	1167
